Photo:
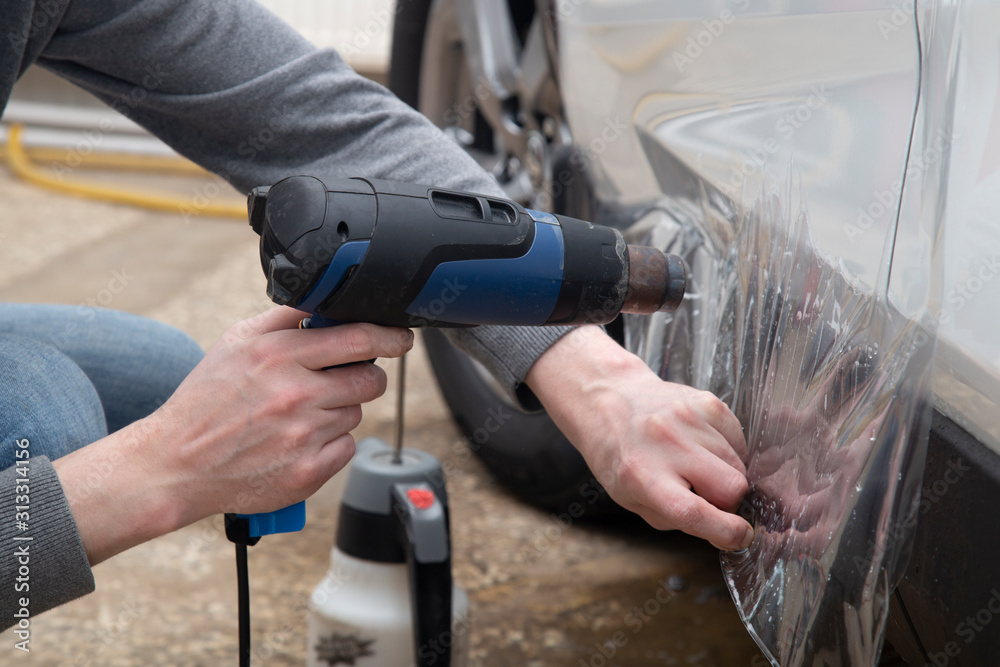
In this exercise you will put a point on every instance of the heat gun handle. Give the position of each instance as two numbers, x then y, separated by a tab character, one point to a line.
248	528
291	519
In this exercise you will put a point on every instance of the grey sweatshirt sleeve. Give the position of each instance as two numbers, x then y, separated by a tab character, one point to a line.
44	563
233	88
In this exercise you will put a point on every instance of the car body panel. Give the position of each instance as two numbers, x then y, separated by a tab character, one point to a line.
782	150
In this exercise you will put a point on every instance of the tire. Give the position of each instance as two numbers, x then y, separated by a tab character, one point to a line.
407	50
527	454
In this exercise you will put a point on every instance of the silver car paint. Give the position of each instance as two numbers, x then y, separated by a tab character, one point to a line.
782	150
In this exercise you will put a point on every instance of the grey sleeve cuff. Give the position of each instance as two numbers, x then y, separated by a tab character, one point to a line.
508	354
44	565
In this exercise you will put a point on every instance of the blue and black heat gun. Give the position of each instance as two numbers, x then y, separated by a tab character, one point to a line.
397	254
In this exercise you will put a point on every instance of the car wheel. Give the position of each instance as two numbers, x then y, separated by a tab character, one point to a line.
525	451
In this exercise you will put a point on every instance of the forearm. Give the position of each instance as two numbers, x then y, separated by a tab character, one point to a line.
578	371
508	353
116	500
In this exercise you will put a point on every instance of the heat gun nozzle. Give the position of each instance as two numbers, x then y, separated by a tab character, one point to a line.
656	281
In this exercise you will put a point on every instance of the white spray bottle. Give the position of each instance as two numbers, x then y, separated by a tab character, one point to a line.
388	599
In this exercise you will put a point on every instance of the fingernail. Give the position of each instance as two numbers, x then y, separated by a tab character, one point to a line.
747	537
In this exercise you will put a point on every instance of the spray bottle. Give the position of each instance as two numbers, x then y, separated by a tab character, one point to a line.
388	599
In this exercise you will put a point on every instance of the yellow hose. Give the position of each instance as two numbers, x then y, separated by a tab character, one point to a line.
22	166
97	160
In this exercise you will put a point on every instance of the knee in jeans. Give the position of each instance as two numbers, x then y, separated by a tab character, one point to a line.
45	398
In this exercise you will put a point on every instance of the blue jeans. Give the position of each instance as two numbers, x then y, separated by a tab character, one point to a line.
69	375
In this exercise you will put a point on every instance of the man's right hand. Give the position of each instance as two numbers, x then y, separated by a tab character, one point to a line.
256	426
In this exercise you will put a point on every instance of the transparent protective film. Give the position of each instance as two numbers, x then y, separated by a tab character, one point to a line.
833	385
811	310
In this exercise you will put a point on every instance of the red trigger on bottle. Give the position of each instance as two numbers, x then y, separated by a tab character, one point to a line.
421	498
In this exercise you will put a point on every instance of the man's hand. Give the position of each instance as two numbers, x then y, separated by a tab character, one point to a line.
256	426
672	454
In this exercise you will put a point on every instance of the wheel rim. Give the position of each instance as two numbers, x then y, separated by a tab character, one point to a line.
517	154
517	143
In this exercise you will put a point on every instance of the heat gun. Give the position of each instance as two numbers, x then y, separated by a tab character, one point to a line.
398	254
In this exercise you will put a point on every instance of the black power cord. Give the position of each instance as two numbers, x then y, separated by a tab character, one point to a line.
243	597
238	532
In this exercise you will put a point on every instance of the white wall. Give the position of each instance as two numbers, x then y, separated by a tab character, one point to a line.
360	29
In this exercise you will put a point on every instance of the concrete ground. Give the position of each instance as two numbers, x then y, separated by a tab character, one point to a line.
173	601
